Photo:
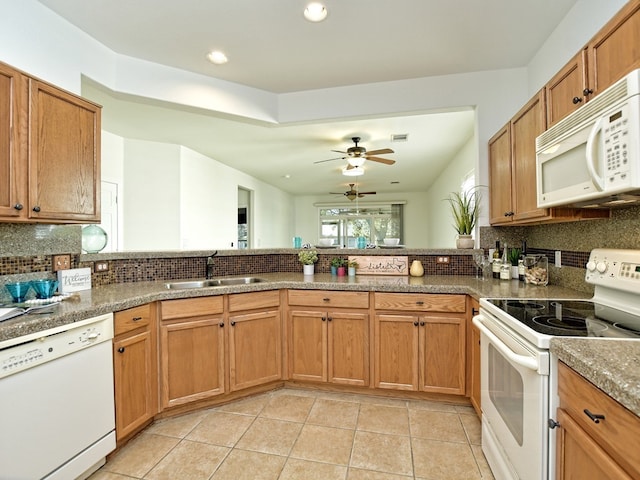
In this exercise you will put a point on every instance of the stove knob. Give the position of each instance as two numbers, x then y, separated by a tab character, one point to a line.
591	265
602	267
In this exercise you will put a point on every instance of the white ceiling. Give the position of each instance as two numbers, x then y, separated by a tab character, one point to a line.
272	47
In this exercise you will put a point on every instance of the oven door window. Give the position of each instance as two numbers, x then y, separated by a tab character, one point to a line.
506	390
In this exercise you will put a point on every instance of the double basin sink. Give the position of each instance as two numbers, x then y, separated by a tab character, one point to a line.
214	282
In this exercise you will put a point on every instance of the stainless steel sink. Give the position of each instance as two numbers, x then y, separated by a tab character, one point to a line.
214	282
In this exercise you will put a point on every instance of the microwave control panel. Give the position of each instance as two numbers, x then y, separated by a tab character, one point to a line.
615	137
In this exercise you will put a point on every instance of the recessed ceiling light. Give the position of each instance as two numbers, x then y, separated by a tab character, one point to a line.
217	57
315	12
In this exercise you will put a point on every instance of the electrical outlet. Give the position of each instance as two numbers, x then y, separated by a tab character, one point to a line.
61	262
442	260
558	258
102	266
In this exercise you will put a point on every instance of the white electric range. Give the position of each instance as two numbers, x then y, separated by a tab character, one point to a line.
518	372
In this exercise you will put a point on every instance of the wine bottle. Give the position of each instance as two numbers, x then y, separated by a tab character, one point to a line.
505	265
495	264
521	269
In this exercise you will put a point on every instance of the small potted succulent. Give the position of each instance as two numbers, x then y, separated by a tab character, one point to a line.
335	263
308	258
342	267
352	265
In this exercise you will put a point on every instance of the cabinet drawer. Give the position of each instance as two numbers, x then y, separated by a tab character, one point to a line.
327	298
132	318
250	301
191	307
421	302
620	429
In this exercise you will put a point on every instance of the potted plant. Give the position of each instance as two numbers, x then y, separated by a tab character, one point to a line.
514	255
308	258
352	265
342	268
335	263
465	207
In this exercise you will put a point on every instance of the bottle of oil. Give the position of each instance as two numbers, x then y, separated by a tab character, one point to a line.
495	264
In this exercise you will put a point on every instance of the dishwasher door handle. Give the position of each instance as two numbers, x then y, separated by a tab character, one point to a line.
524	361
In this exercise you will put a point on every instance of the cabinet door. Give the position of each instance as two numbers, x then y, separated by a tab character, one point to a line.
615	50
473	355
255	352
308	345
443	355
565	91
500	206
396	352
579	456
13	145
64	156
528	123
347	348
192	360
135	377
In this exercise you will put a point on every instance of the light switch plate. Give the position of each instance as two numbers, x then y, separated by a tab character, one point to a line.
61	262
558	258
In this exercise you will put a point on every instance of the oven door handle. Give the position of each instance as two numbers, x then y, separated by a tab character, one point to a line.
524	361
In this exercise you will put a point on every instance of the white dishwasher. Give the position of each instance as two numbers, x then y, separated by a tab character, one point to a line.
56	401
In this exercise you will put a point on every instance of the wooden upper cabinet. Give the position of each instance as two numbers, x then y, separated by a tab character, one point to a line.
615	50
13	96
64	156
526	125
500	210
609	56
49	152
565	91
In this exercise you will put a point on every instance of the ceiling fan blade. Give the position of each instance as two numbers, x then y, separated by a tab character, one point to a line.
382	151
386	161
330	159
366	193
340	151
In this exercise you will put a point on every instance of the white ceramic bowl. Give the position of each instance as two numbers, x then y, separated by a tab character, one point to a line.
325	242
391	241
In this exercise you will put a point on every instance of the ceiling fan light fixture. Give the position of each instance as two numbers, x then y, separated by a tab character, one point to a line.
315	12
353	172
356	161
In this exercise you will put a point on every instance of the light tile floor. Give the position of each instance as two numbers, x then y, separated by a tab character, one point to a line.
293	434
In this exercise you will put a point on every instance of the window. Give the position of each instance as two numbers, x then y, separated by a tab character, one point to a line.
344	224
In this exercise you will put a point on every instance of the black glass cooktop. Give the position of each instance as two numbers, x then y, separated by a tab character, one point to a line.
571	318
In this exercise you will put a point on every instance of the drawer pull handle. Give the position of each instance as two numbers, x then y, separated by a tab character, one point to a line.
136	319
596	417
419	302
326	299
121	350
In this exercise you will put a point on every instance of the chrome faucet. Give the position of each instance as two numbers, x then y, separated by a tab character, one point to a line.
210	265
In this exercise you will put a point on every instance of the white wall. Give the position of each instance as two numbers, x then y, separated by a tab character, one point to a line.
440	230
112	170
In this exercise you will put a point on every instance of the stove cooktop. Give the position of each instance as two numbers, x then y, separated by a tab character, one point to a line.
571	318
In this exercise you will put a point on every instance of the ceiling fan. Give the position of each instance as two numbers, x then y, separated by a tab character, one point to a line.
357	155
352	193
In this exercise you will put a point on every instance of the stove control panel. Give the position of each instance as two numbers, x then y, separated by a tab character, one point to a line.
614	268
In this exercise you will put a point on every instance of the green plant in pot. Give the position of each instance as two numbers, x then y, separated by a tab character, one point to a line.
335	263
351	267
308	258
465	207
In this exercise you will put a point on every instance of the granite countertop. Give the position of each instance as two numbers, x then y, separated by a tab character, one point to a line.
112	298
611	365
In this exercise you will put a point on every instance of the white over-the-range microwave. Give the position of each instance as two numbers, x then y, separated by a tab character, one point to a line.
591	158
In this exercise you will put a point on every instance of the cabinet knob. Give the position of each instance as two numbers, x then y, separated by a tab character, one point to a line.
36	209
552	423
587	92
233	324
121	350
329	319
415	324
18	206
576	100
422	324
508	214
324	319
221	324
596	417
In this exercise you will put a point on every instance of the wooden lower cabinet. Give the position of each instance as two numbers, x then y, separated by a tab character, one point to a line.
135	362
419	350
331	344
586	449
192	350
255	349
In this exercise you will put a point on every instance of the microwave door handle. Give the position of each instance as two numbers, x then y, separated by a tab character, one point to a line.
592	158
524	361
